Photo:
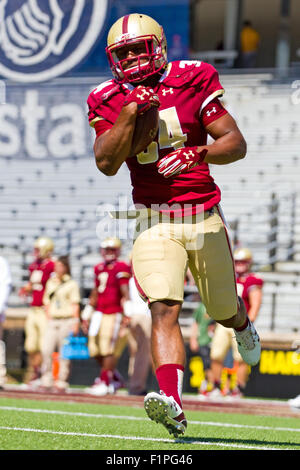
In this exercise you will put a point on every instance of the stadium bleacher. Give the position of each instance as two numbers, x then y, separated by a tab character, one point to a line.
60	197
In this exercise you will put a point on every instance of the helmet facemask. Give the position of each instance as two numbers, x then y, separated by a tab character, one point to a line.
149	62
110	249
110	254
242	260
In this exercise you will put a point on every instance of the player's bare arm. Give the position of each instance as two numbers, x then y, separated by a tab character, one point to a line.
113	147
26	290
124	289
255	299
194	346
229	145
93	297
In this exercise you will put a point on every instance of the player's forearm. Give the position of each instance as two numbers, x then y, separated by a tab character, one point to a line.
112	148
194	332
227	149
255	301
252	313
124	289
93	298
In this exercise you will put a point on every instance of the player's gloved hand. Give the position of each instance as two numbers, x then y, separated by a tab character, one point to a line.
180	161
144	96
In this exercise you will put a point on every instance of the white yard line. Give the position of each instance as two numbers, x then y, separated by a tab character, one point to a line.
136	438
137	418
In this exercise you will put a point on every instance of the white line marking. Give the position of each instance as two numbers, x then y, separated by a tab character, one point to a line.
137	418
136	438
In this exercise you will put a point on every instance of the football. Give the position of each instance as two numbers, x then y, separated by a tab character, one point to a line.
146	128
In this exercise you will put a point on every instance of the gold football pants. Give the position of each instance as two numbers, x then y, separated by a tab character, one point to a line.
162	253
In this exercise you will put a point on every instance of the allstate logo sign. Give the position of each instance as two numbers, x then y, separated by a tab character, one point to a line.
42	39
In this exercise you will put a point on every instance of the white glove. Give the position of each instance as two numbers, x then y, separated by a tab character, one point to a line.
127	308
87	312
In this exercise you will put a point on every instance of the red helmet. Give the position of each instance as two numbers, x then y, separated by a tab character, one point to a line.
133	30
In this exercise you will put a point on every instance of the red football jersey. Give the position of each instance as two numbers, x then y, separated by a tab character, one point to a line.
184	90
40	271
245	283
108	279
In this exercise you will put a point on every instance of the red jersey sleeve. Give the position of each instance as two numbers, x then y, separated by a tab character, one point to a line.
124	274
96	279
209	84
95	102
212	111
254	281
101	126
104	104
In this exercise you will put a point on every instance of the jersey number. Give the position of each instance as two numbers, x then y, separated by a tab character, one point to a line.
103	277
36	280
169	135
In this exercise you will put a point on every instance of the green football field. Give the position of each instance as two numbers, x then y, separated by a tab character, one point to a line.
48	425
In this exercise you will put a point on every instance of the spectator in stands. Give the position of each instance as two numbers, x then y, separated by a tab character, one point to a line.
62	305
105	314
249	288
139	334
40	271
202	331
249	43
5	288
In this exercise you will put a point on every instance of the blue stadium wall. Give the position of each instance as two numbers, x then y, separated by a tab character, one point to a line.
173	15
29	122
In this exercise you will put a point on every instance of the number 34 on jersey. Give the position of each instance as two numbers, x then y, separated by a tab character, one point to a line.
169	135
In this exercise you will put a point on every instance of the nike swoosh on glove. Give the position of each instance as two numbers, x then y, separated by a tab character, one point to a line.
180	161
144	96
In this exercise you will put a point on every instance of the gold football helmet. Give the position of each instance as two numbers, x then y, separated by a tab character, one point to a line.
242	254
44	246
136	30
110	248
111	242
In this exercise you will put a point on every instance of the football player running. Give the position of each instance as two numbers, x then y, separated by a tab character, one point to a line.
171	178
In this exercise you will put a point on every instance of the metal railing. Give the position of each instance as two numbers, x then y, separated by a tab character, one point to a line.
275	218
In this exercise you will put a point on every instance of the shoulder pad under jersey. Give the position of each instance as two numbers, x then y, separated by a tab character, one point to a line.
100	95
193	73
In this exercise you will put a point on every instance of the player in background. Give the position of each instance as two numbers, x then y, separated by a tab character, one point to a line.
40	271
5	289
138	339
202	331
104	313
173	171
249	288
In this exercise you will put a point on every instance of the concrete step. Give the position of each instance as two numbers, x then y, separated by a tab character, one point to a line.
288	266
280	277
